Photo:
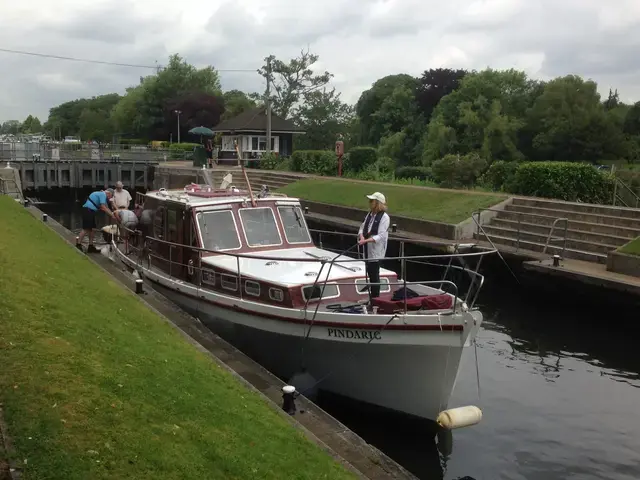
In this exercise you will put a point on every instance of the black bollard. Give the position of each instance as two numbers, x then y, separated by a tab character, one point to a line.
289	399
26	202
139	286
556	260
306	210
45	217
394	228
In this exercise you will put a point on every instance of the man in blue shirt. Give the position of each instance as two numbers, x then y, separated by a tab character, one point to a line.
96	201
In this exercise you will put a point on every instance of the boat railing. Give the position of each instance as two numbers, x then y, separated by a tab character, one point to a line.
141	248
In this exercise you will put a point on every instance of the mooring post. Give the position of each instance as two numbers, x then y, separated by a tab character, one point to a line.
289	399
45	217
394	228
139	289
556	260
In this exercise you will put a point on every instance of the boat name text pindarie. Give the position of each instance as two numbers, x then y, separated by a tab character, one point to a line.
364	335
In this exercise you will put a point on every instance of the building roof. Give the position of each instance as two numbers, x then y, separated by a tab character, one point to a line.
255	120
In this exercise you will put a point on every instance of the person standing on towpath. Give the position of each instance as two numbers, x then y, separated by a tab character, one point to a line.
98	200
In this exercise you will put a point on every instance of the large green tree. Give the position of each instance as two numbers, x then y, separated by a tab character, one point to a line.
485	115
65	119
236	102
325	117
435	84
571	123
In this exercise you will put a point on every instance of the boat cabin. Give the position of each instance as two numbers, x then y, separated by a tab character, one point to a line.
271	236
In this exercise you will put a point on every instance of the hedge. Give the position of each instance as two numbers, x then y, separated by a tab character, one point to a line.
500	175
180	150
360	158
574	182
317	162
421	173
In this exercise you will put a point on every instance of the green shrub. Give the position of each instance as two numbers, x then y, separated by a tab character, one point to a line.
359	158
454	171
284	165
132	141
181	150
317	162
385	166
574	182
422	173
268	162
500	175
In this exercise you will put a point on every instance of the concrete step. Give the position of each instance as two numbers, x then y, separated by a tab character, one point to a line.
578	216
290	176
557	239
513	216
572	233
587	208
539	247
270	181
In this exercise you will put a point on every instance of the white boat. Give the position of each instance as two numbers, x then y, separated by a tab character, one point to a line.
248	269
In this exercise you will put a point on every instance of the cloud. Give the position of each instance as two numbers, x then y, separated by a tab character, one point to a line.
358	41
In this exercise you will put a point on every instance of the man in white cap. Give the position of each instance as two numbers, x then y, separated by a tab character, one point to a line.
373	235
121	198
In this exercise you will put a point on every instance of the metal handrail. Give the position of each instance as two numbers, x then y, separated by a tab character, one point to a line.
617	182
4	190
475	275
314	302
518	230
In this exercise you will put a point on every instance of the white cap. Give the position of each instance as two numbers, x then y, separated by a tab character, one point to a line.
378	196
288	389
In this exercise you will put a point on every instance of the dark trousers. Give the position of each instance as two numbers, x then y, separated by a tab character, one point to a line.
373	272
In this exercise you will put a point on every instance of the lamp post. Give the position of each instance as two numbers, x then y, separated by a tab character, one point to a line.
178	112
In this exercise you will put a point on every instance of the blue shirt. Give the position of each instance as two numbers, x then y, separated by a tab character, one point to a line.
99	198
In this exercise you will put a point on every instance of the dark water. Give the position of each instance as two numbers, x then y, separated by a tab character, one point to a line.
559	389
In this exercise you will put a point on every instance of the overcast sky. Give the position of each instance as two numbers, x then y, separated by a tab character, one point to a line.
358	41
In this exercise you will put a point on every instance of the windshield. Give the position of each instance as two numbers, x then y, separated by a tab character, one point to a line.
218	230
260	227
294	227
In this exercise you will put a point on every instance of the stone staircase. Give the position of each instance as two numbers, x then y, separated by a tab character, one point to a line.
592	230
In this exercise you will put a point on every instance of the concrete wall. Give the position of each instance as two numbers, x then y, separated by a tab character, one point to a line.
623	263
468	227
413	225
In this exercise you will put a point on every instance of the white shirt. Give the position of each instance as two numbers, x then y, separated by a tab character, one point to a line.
378	248
121	199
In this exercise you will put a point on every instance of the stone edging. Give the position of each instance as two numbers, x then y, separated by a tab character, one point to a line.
623	263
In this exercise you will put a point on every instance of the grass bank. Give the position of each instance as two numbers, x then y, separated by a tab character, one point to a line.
95	385
428	204
631	248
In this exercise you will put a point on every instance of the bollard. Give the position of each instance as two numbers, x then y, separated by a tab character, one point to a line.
556	260
306	210
139	286
44	217
394	228
26	203
289	399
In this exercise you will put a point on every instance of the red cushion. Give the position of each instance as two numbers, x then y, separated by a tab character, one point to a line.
437	302
440	301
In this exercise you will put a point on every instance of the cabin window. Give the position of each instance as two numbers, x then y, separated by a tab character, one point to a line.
295	228
159	223
276	294
260	228
218	230
314	292
361	285
229	282
252	288
209	277
172	226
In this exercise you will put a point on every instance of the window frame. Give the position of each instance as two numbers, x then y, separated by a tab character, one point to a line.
284	229
275	289
235	224
224	276
254	294
383	281
244	231
317	299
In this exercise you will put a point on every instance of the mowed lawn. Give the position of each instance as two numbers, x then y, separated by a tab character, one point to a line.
631	248
96	386
425	203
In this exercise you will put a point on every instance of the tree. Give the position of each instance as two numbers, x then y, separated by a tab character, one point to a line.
631	124
10	127
435	84
236	102
126	116
155	92
571	122
65	118
95	125
483	115
612	101
292	81
374	124
31	124
197	109
324	117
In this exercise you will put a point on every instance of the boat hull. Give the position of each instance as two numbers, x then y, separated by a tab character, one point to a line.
413	379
